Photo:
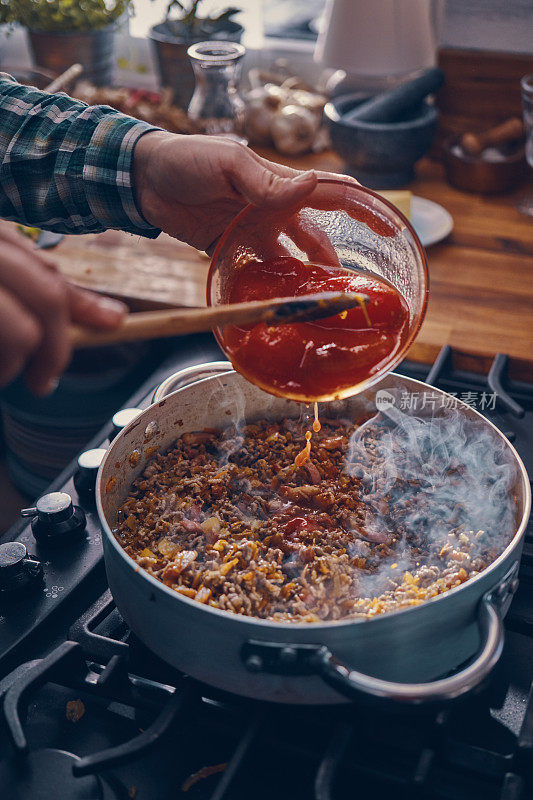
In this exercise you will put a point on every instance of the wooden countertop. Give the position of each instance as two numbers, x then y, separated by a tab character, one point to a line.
481	276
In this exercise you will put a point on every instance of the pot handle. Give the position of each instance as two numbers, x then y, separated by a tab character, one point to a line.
317	659
354	684
178	380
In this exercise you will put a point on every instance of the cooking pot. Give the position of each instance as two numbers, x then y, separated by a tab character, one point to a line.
400	655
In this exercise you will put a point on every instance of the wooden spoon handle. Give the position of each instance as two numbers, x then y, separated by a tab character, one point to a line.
66	77
146	325
508	131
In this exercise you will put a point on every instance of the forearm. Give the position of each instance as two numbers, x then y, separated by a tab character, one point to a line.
66	166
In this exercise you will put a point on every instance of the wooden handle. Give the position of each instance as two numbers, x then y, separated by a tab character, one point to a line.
146	325
65	78
508	131
389	106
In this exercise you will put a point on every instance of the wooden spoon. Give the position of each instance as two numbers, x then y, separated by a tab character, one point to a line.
65	78
178	322
508	131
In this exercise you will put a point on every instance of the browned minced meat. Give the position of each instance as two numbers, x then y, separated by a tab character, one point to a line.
227	519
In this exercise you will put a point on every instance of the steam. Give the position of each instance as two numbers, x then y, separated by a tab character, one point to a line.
420	502
233	405
426	480
426	477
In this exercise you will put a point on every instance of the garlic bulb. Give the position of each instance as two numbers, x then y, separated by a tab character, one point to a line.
314	102
262	105
293	130
288	115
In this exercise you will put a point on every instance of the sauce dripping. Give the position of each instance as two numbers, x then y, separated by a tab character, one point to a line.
316	424
304	454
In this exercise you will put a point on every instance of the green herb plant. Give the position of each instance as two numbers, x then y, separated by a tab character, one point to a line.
190	25
62	15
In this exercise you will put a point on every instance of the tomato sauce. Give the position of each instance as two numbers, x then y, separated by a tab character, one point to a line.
319	359
303	456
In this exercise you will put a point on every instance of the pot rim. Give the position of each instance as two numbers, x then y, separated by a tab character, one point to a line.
157	35
518	157
322	625
110	27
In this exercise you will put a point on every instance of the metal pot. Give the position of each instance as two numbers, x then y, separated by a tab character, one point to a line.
398	655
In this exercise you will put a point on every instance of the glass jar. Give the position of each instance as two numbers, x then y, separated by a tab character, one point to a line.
216	103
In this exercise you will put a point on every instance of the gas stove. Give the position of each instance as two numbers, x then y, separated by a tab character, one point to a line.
89	712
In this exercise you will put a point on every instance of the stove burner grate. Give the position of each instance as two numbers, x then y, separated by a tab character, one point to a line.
411	752
45	774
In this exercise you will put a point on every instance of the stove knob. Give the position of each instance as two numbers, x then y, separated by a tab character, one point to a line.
55	519
85	477
18	570
123	418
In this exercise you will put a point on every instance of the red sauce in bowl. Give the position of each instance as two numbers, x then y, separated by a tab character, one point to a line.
314	360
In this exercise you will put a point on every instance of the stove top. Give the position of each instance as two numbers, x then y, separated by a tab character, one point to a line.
89	712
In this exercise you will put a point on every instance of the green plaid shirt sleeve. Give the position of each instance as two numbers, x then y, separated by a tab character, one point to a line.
66	166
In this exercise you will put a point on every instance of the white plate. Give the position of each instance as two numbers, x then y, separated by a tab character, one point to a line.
431	222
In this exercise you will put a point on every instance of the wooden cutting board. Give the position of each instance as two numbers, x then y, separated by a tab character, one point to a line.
146	273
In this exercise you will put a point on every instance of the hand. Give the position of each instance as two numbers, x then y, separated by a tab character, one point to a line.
36	306
193	186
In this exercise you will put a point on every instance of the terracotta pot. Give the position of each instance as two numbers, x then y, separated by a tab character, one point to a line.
173	63
58	50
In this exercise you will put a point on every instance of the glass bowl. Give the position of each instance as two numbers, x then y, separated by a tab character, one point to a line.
339	222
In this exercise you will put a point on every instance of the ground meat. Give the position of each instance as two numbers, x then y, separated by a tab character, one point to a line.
227	519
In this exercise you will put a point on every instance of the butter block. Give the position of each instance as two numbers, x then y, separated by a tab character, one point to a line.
401	198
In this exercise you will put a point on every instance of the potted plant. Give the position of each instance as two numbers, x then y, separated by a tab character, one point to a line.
175	34
63	32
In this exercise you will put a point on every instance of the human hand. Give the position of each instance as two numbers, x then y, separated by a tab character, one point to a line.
193	186
36	306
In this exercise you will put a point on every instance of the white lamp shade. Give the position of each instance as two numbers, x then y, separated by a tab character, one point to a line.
379	37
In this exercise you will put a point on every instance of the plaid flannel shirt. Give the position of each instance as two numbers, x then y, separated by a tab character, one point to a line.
67	166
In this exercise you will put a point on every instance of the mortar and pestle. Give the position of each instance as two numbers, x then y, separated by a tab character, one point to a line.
381	137
488	162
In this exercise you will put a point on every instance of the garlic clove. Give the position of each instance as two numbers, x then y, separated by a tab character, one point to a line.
293	129
314	102
262	105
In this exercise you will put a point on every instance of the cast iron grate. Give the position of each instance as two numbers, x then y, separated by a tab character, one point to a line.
457	752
